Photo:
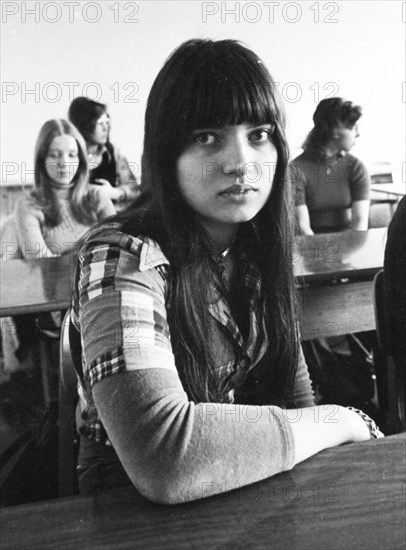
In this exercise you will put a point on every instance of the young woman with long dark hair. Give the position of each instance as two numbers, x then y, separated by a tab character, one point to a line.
185	304
107	166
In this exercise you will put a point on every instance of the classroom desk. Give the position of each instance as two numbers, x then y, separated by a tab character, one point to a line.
35	286
332	307
346	498
327	256
398	188
329	309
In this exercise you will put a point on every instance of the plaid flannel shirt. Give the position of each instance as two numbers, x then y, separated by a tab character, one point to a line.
119	309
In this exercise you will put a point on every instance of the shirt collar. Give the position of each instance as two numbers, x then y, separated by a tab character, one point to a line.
149	250
151	255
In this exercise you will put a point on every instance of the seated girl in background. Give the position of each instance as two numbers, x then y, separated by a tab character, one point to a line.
51	219
61	208
332	186
184	306
107	166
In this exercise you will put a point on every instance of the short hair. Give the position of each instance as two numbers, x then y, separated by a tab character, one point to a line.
328	114
84	113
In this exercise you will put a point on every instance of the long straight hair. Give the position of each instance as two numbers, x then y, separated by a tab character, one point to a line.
212	84
43	194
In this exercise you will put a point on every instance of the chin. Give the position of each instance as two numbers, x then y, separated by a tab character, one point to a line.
243	218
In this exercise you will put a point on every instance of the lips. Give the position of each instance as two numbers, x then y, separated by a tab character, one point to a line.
237	189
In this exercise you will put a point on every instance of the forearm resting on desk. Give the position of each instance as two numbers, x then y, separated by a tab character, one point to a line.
326	426
29	236
174	449
360	215
303	220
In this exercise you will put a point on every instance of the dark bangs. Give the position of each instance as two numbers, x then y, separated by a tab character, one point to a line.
225	95
227	85
204	84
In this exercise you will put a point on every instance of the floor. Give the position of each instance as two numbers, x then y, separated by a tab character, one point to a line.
21	405
28	436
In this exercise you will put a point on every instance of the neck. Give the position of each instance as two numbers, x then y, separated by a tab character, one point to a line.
221	237
62	192
331	151
94	149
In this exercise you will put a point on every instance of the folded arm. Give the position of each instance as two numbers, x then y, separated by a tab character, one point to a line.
127	181
173	449
360	215
303	220
28	221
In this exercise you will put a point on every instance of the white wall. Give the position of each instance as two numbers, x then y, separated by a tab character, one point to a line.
361	53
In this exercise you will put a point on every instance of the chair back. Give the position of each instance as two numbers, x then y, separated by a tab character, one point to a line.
381	212
395	391
68	397
382	330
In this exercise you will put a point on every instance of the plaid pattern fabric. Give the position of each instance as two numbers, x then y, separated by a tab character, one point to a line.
253	348
125	278
122	321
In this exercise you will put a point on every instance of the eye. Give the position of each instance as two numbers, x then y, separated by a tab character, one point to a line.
262	135
204	138
52	155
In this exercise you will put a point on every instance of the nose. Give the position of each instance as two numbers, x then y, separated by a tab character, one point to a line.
63	159
64	162
236	158
238	169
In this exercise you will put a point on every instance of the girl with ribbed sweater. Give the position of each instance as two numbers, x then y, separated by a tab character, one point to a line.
50	220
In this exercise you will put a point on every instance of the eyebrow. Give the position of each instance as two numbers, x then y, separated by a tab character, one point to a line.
249	125
56	150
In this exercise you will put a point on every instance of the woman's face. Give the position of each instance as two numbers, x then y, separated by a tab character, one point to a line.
101	130
62	160
344	137
225	174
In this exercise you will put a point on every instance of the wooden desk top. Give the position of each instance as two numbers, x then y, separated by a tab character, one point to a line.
349	254
398	188
351	497
45	285
35	286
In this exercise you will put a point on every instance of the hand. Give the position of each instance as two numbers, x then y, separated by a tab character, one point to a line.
114	193
358	428
374	431
103	182
132	193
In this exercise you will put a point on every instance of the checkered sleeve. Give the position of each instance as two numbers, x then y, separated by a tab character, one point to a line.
122	313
